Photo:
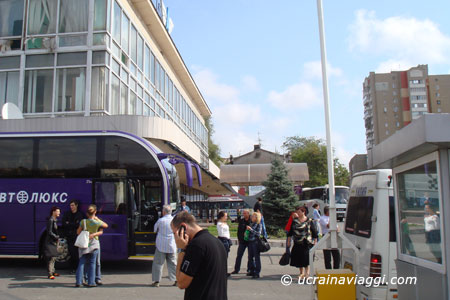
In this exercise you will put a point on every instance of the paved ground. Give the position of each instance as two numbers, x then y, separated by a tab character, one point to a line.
23	278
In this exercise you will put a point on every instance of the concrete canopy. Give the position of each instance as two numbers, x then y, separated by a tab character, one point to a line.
255	174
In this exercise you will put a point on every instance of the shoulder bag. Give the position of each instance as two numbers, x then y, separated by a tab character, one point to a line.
82	240
263	244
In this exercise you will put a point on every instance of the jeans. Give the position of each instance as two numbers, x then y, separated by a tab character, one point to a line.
263	225
240	252
98	272
254	257
336	258
87	260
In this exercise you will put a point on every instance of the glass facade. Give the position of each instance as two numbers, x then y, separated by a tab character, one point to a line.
60	50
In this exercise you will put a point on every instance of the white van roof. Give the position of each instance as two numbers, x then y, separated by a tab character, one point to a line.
383	176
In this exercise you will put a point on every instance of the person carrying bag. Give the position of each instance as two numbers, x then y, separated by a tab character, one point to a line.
82	240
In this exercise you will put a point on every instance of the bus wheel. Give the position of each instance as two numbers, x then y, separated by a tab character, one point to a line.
63	260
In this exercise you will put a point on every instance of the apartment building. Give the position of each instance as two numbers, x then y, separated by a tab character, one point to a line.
393	100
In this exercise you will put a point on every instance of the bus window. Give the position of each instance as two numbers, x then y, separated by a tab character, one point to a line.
16	157
54	153
359	216
121	153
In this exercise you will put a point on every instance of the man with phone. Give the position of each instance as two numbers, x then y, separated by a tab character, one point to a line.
202	261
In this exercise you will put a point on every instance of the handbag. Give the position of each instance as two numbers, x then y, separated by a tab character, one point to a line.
285	259
82	240
263	244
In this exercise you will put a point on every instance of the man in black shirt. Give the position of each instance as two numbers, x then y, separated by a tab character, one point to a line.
243	244
70	223
202	262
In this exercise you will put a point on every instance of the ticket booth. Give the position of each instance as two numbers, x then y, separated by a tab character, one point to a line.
419	156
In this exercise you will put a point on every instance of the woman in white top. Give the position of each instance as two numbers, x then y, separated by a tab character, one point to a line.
223	230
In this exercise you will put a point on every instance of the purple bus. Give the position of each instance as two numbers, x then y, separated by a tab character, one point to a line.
127	177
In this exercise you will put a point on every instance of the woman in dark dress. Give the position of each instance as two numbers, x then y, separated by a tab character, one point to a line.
51	241
304	236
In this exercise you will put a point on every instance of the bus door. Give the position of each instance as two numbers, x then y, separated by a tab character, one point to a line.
145	198
110	196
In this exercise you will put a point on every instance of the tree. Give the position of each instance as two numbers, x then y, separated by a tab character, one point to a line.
313	151
279	198
213	149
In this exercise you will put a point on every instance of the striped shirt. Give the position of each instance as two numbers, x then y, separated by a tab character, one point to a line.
165	241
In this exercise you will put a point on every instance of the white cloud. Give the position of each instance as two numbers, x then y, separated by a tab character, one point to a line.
211	88
300	95
233	118
403	38
313	70
250	83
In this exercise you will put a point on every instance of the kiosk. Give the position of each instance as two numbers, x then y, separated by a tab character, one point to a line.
419	156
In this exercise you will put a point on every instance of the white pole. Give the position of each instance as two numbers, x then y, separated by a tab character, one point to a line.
331	192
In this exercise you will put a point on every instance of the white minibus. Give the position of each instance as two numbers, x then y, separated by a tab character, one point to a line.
370	226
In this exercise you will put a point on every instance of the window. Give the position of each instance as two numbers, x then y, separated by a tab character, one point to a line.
99	88
359	216
38	61
123	99
53	154
438	102
147	62
73	15
72	59
392	229
386	125
16	157
132	108
117	12
438	94
125	35
115	95
9	87
139	107
419	212
152	68
385	109
100	14
437	87
11	23
100	57
140	44
9	62
38	91
42	16
110	197
133	41
121	153
397	124
70	89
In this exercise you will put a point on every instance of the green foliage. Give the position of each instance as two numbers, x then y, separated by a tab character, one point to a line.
279	198
213	149
313	151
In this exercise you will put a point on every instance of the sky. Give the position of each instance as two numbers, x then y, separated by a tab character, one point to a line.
257	63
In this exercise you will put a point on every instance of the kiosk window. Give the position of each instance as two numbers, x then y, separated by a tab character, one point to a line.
419	209
359	216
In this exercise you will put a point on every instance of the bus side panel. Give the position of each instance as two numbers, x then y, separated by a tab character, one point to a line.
30	206
114	241
16	223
